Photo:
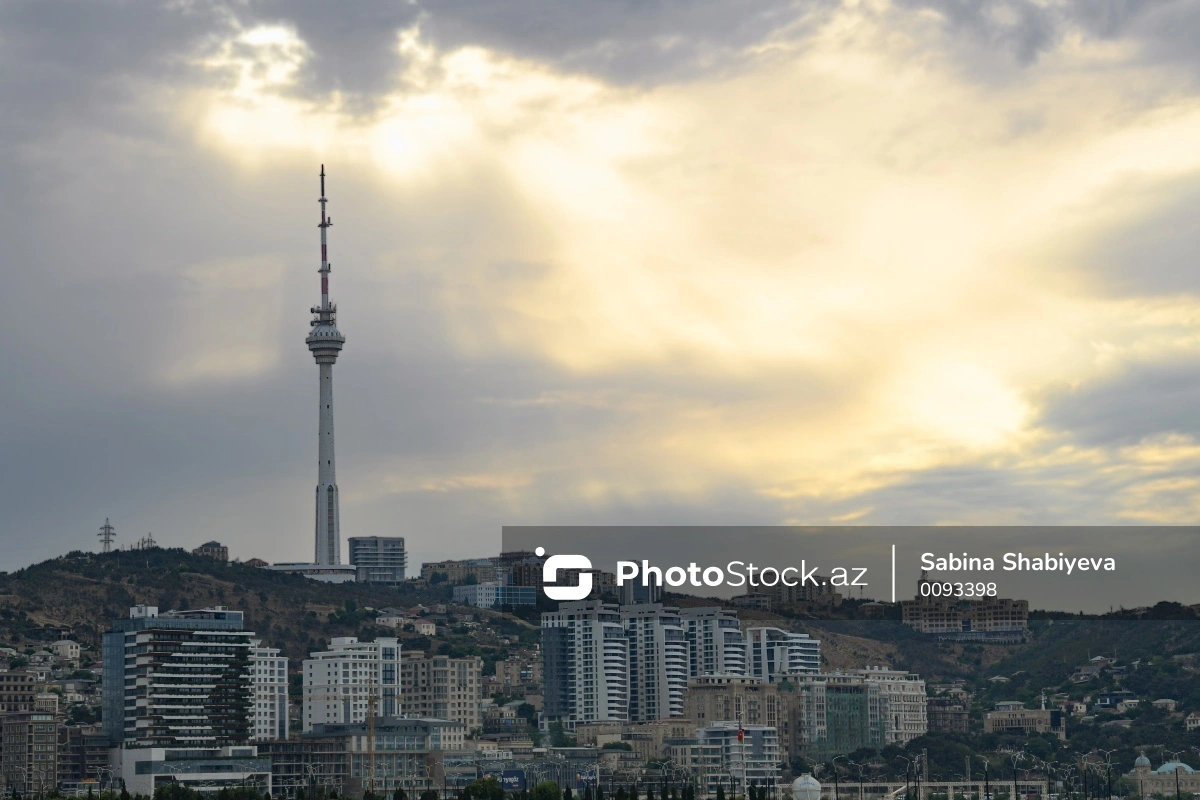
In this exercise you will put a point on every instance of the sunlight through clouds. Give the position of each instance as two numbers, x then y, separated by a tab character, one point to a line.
809	219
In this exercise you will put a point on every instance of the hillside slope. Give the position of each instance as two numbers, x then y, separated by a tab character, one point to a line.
79	595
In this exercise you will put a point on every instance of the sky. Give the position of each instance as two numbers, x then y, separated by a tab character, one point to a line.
757	263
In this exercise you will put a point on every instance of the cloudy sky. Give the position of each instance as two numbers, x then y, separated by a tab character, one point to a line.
907	262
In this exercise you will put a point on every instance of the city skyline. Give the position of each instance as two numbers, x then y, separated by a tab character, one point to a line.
888	263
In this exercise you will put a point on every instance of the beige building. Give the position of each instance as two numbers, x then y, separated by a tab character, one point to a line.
648	740
1162	781
479	569
1024	722
440	687
513	673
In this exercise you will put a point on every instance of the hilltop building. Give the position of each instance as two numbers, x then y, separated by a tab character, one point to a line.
988	619
214	550
378	559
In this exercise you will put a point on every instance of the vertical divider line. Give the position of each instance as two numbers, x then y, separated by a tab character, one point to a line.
893	573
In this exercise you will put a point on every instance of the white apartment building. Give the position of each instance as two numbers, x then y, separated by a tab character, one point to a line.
904	699
341	682
774	652
716	645
658	661
753	761
585	664
440	687
270	676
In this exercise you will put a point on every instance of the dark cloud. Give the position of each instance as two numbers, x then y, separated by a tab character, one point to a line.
1165	31
1154	253
1142	400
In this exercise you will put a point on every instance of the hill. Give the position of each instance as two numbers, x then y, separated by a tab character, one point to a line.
79	594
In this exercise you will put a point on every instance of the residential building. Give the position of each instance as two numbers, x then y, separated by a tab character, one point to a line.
753	701
585	664
480	570
82	752
716	645
29	760
838	713
658	661
213	550
378	559
178	679
773	652
984	619
755	759
270	673
17	691
755	601
1192	722
308	762
408	753
343	682
817	591
66	649
947	714
519	673
1026	722
492	594
904	693
441	687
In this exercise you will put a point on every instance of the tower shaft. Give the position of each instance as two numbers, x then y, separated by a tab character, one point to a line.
325	341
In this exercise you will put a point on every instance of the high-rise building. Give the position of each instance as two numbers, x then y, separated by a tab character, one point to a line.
270	671
585	664
341	683
835	714
716	645
658	661
753	701
30	752
773	652
440	687
325	342
178	679
378	559
82	752
904	695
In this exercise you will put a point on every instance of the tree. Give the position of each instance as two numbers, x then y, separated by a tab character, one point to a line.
546	790
429	794
399	794
720	792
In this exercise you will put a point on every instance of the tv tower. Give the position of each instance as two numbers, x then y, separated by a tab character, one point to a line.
325	342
